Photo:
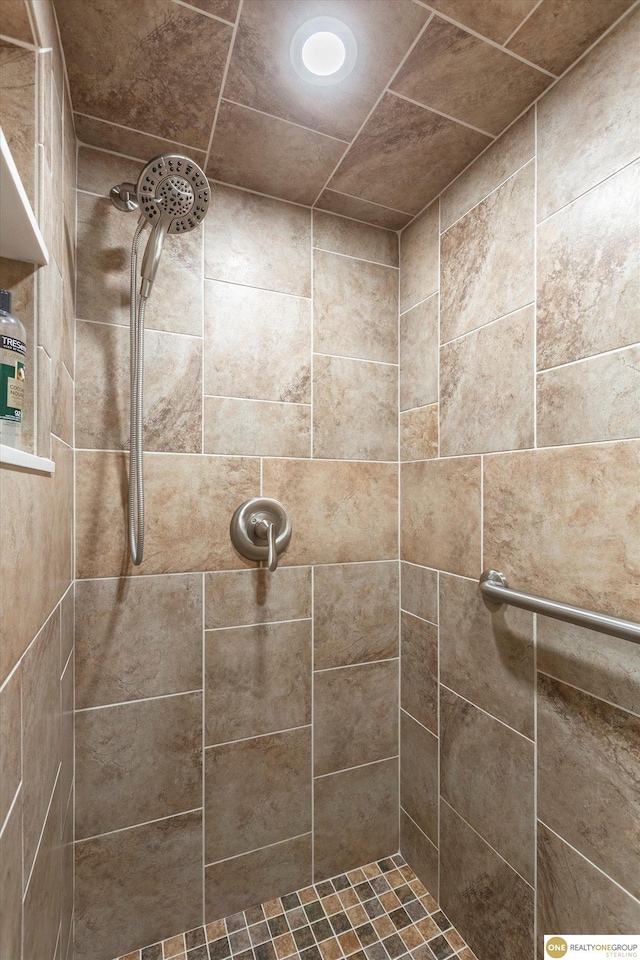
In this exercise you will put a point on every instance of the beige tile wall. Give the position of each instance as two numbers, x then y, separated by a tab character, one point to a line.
520	400
36	519
215	700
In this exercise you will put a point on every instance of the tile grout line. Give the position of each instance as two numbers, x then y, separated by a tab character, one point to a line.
454	223
203	668
418	827
267	846
360	663
373	203
126	703
399	539
492	716
521	24
257	736
407	713
135	826
446	116
292	123
592	189
588	693
357	766
535	618
350	256
593	357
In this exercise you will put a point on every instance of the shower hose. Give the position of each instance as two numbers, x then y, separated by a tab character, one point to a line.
136	476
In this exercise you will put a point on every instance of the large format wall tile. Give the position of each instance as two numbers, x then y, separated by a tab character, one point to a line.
189	502
591	748
18	82
257	344
486	388
354	409
419	670
419	775
487	657
419	591
254	429
10	742
356	817
151	883
11	879
172	394
137	638
363	210
419	355
42	899
490	903
564	522
589	124
441	514
355	308
498	801
419	433
334	506
256	596
355	613
574	895
488	258
355	716
257	241
590	303
258	680
339	235
257	792
124	140
420	258
137	762
255	877
418	850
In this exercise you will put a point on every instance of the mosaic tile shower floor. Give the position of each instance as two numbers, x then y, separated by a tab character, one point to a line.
377	912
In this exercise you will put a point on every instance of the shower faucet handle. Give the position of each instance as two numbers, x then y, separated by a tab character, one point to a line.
266	530
260	530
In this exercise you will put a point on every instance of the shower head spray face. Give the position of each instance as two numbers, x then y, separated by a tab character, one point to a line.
173	194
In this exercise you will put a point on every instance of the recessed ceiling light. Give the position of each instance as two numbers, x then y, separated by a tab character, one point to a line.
323	51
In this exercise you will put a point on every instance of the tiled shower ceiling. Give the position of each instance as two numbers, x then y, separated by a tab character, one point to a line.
433	85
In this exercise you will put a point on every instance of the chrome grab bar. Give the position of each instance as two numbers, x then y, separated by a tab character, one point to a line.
495	590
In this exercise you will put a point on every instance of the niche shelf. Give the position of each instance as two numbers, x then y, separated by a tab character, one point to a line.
20	237
13	457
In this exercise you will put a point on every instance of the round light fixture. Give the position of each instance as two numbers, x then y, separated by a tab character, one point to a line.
323	51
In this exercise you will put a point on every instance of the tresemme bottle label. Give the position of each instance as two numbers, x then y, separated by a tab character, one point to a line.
12	373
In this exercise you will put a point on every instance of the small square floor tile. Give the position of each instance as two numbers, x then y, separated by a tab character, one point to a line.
394	946
290	901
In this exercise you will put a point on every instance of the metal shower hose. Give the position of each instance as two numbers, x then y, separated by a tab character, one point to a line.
136	477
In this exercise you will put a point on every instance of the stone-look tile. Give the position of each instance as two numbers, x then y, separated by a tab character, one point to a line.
17	81
588	491
270	155
67	882
257	344
419	670
355	613
15	21
137	638
487	900
590	401
441	514
498	801
356	817
43	414
460	75
419	433
334	506
419	775
210	490
355	308
98	171
247	880
420	253
42	899
488	258
419	355
487	388
485	656
104	251
10	742
405	155
592	749
151	883
268	83
137	762
559	31
588	273
257	680
354	409
225	9
588	125
96	41
257	792
62	410
419	591
67	745
355	716
11	880
498	162
172	394
339	235
418	850
574	895
256	429
122	140
605	666
41	747
363	210
255	596
258	241
36	535
496	19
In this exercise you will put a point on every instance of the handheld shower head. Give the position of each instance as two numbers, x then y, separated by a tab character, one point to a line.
173	194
